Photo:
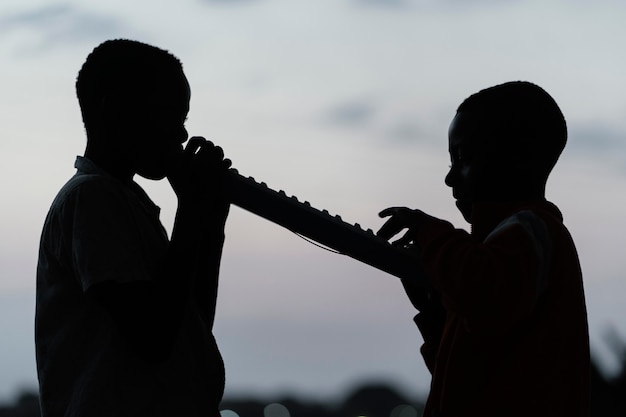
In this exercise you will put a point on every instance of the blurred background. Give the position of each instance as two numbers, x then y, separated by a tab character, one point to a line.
346	104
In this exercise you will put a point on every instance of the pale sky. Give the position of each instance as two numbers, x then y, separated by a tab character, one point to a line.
346	104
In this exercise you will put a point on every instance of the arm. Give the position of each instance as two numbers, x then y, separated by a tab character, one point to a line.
430	320
208	263
488	284
431	327
149	312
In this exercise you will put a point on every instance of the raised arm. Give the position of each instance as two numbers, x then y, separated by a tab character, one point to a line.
149	311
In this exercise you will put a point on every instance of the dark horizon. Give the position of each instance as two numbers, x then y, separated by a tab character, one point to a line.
371	399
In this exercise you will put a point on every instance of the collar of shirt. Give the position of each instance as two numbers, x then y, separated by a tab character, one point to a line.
486	216
86	166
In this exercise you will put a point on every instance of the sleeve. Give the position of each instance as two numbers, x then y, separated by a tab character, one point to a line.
107	243
490	284
431	327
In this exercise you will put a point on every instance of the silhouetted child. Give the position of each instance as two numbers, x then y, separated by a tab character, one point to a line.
124	314
505	329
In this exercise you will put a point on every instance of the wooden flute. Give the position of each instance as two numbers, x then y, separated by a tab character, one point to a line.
323	228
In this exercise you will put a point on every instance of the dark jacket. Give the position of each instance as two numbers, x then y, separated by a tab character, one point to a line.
514	337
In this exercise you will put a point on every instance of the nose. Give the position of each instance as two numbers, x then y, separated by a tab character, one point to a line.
450	177
184	135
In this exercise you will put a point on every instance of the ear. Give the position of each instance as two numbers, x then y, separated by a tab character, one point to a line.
110	106
117	111
520	153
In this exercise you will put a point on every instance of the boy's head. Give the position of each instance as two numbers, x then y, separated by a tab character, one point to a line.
503	143
134	99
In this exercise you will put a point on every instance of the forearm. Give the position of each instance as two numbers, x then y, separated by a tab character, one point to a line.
206	282
184	261
431	327
169	293
493	283
149	304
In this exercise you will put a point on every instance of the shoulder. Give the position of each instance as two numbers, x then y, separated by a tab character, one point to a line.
92	184
528	220
86	190
538	220
85	200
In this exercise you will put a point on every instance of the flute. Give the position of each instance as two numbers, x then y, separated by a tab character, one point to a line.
321	227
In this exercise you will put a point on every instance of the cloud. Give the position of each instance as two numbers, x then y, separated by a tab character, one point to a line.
228	2
597	138
60	24
386	123
383	3
426	4
405	132
353	113
603	143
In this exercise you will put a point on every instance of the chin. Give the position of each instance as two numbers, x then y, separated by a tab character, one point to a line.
466	209
154	176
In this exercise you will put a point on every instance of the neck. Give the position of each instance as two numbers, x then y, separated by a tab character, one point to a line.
114	162
537	193
525	189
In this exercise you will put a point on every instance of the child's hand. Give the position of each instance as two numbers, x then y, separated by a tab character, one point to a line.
197	177
401	218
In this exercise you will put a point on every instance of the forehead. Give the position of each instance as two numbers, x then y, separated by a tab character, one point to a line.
172	87
170	93
466	130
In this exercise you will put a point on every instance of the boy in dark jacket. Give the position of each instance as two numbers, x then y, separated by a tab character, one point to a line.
505	325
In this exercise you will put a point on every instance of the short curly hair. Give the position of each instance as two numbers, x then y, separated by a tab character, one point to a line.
123	67
524	113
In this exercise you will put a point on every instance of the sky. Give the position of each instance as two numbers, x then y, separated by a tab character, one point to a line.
346	104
